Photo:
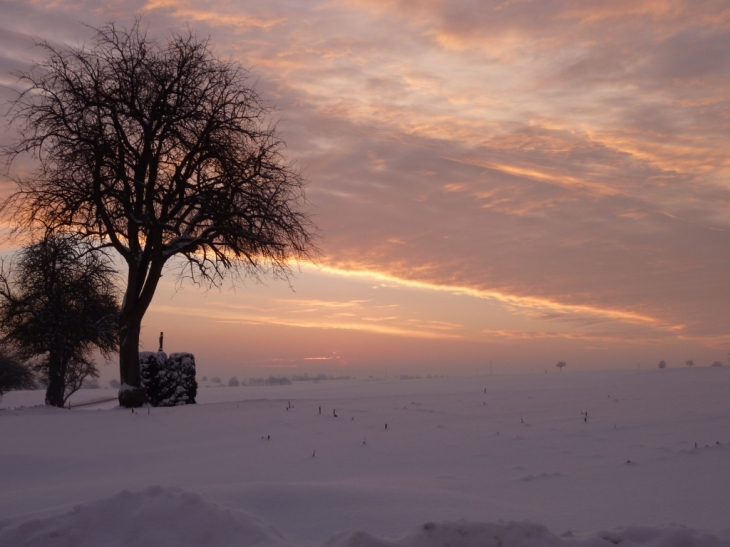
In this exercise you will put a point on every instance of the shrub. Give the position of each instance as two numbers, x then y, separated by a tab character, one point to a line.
181	369
168	381
662	364
233	382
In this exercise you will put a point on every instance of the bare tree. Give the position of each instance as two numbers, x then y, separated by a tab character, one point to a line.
662	364
560	365
58	303
158	150
690	363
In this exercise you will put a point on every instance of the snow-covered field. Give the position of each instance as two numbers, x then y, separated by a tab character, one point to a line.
499	461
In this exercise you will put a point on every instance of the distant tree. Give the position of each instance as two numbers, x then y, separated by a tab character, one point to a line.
114	383
233	382
716	364
158	150
662	364
58	303
14	373
690	363
560	365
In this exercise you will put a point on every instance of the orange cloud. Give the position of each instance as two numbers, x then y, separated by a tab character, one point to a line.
215	15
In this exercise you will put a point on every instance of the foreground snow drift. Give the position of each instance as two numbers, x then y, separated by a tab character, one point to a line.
156	517
639	451
173	518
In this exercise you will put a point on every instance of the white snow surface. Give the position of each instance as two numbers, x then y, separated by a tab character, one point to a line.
518	466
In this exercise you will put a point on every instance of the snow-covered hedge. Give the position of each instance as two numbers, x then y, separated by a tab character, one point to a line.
169	381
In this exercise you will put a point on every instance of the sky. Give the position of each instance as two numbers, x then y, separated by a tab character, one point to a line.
498	184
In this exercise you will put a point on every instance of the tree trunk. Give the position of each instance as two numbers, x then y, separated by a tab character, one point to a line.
131	392
141	284
56	380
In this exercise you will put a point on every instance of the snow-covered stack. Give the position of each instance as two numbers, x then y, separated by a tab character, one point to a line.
169	381
181	367
152	365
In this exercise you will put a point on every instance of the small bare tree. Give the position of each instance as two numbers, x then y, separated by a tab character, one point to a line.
560	365
690	363
58	302
158	150
662	364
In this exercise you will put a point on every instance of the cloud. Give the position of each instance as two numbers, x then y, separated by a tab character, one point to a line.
566	157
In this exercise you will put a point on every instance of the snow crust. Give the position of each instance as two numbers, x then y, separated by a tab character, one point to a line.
464	462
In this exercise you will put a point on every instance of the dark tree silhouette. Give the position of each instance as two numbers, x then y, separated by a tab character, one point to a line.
14	373
560	365
58	303
158	150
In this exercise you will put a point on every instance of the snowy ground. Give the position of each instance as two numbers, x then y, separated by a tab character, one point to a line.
517	466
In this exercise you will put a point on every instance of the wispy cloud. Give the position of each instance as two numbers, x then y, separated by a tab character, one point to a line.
566	160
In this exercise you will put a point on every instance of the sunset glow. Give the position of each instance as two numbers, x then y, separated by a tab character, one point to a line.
514	182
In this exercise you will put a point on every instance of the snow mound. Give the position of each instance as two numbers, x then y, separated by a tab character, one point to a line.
527	534
158	517
163	517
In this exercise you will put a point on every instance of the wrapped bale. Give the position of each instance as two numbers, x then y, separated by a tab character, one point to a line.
168	381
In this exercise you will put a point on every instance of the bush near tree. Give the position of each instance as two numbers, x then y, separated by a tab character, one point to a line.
168	381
